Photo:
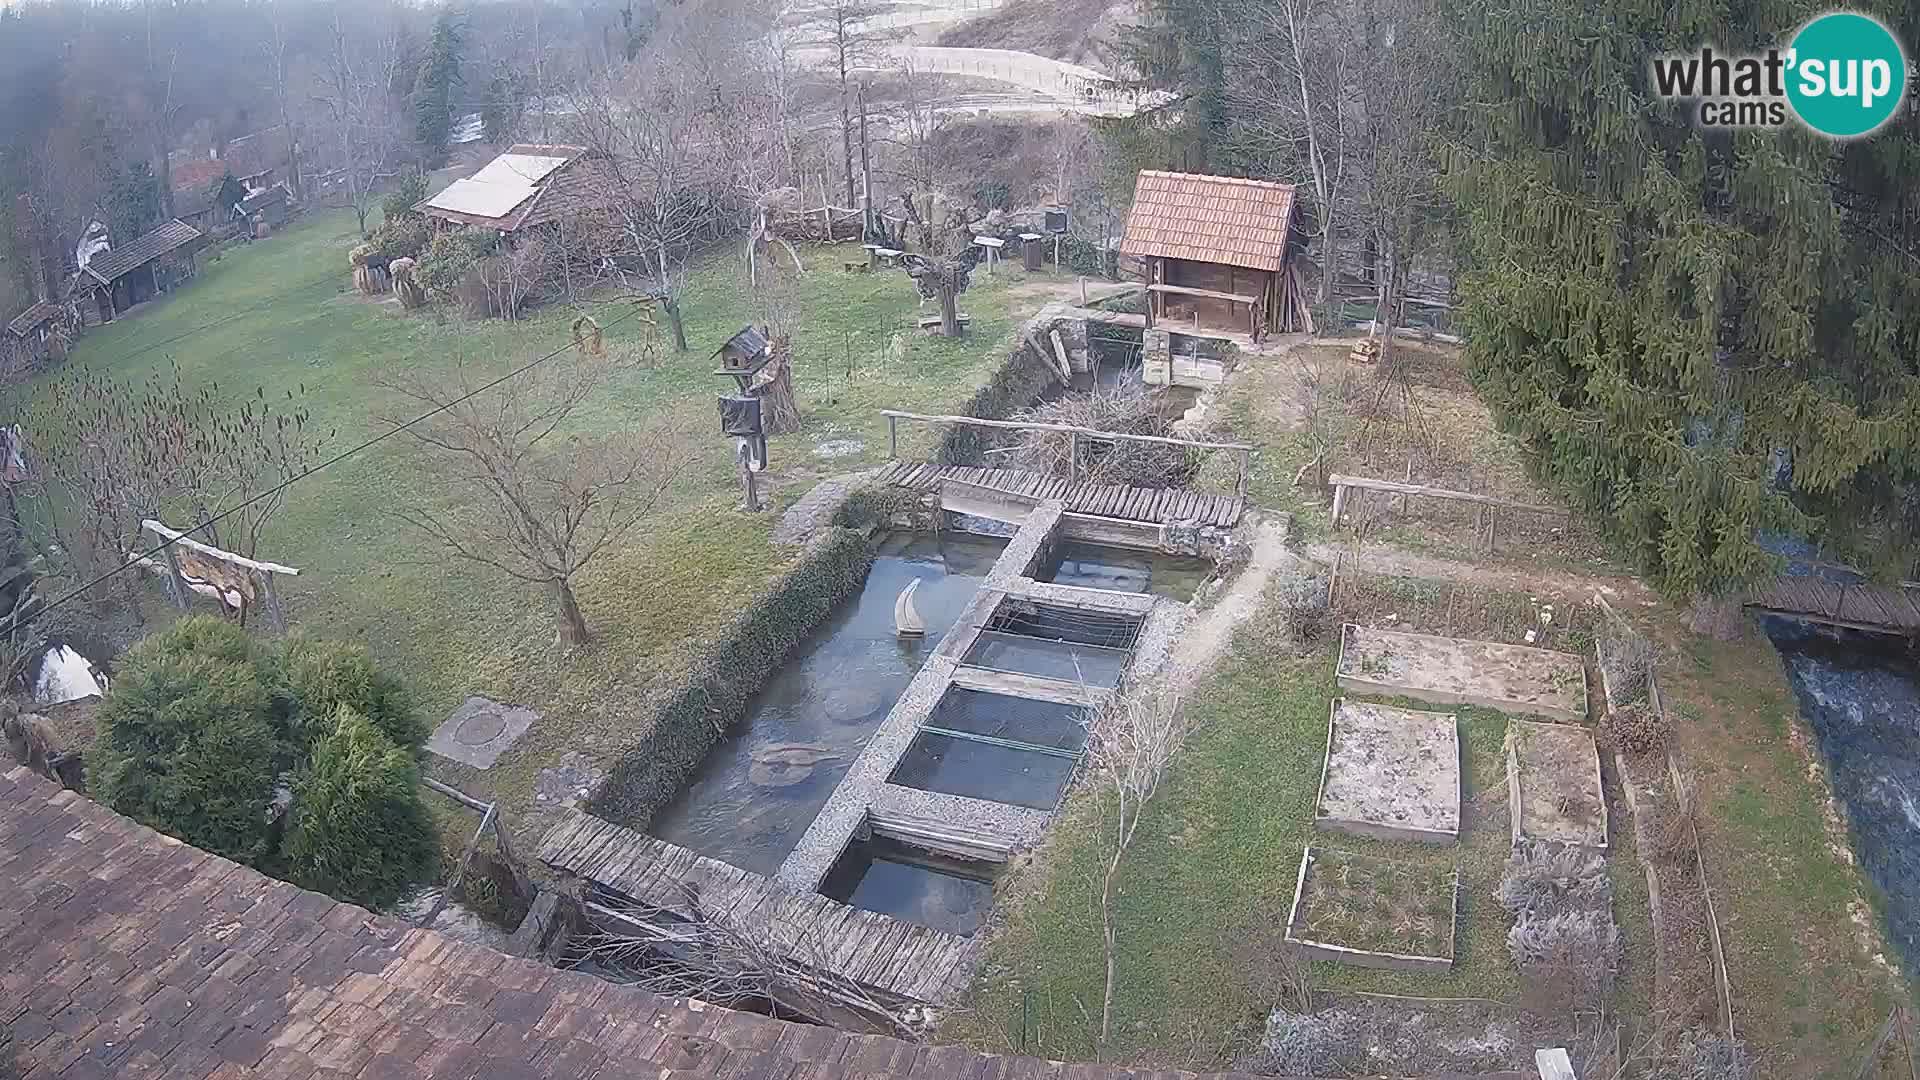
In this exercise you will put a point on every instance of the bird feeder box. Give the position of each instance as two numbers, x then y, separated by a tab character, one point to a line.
1056	222
743	355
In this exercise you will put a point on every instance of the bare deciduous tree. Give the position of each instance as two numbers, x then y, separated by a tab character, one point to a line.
1290	93
1131	740
543	501
353	88
847	33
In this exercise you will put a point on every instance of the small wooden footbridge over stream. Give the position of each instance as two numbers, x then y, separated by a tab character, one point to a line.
1880	609
1019	490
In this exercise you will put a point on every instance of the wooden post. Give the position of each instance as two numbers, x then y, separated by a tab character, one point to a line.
1339	502
1083	279
176	581
275	613
1493	527
893	438
1073	457
460	872
1246	473
520	881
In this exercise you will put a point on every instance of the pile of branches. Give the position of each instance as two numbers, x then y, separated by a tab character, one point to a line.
700	953
1129	409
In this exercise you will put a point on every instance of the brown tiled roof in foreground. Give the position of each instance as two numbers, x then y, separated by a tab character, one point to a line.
1216	219
127	954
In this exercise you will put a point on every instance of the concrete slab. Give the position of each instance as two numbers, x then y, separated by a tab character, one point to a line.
1553	784
1458	671
1391	773
480	730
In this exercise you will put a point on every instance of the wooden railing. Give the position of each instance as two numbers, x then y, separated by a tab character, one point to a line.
1243	452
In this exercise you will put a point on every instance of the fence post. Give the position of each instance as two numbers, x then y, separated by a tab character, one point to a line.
1073	457
893	437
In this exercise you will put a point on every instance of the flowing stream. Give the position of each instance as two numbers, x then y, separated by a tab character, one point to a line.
1860	693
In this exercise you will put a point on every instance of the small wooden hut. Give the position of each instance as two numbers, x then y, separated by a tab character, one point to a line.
33	339
525	189
1218	253
123	275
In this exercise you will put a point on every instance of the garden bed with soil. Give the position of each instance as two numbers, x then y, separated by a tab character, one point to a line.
1371	912
1553	784
1457	671
1389	773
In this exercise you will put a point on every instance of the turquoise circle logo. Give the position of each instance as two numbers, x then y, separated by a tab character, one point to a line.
1847	75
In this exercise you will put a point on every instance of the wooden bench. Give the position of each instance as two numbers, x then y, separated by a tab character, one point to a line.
1490	504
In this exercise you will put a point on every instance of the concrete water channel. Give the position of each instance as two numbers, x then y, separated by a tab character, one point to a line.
894	773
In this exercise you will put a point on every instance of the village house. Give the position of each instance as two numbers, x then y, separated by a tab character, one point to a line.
525	189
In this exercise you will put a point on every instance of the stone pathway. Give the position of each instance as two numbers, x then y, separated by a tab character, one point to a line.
815	509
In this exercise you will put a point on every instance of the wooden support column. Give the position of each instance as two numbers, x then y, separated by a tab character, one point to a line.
1246	474
176	581
893	438
1073	456
275	612
1339	502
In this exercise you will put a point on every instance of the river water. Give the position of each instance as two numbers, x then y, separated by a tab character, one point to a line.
1860	693
760	788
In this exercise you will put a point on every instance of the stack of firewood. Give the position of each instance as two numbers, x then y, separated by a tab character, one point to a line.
1365	351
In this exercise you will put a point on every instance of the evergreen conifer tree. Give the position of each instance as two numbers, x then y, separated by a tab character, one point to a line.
1707	336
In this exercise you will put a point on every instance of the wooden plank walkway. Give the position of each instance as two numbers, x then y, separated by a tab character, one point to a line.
1151	505
883	955
1879	608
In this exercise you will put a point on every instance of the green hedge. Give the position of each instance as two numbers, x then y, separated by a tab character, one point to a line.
321	677
872	507
713	696
1022	381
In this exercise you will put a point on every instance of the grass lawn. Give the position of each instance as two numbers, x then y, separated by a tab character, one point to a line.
281	314
1801	937
1205	890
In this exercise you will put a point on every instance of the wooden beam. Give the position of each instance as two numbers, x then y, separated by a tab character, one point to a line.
1015	425
1208	294
1338	481
184	541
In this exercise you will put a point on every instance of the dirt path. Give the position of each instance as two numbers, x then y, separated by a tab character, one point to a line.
1203	637
1387	559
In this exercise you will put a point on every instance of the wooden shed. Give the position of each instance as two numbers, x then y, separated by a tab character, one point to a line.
33	339
123	275
1217	253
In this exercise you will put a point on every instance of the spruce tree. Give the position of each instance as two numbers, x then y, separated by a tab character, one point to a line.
440	79
1706	336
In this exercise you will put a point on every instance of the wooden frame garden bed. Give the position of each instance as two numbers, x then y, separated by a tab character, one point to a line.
1372	912
1459	671
1553	784
1392	774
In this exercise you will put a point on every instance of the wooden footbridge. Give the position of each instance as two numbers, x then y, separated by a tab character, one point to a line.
1149	506
1881	609
890	958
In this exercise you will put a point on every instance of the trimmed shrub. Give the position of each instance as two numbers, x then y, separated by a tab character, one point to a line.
186	742
714	694
321	677
450	258
399	238
358	830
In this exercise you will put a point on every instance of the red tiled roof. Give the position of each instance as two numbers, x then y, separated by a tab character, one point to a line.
1217	219
127	954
